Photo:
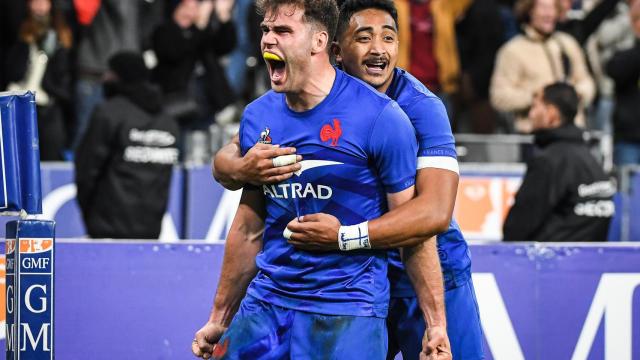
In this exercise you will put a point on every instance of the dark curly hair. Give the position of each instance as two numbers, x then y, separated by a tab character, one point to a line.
350	7
321	12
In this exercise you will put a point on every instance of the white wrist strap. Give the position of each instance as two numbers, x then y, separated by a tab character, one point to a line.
354	237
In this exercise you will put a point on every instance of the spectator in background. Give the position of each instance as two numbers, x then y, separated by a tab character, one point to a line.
624	69
237	68
480	35
565	195
188	38
123	165
432	51
539	56
582	29
12	14
40	62
107	27
613	35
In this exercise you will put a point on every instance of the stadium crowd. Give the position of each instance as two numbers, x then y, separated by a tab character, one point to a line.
486	59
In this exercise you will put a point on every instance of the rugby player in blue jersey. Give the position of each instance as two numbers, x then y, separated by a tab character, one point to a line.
278	302
367	48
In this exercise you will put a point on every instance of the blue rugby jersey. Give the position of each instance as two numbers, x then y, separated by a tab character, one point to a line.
357	146
436	148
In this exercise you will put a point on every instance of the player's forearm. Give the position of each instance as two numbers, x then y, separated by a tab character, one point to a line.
423	267
238	269
424	216
243	244
408	225
226	167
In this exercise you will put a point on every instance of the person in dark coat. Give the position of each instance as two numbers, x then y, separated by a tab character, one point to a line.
565	194
197	32
480	34
125	160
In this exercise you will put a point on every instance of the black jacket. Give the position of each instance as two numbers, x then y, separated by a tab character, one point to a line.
565	195
178	50
124	165
624	69
480	34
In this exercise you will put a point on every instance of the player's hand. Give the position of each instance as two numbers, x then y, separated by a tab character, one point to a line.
435	344
257	167
205	342
315	232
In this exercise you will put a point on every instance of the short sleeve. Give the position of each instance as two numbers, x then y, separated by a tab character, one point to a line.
393	148
245	142
436	144
243	137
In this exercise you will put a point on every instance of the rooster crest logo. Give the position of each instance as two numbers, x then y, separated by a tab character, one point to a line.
332	133
264	136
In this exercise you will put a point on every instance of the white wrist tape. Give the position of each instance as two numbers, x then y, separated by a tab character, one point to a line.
284	160
354	237
287	233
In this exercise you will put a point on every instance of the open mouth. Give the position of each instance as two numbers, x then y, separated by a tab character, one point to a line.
376	66
276	66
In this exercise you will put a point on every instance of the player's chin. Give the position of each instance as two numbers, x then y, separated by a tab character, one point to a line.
375	81
279	87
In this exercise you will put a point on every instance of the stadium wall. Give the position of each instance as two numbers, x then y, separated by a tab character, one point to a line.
144	300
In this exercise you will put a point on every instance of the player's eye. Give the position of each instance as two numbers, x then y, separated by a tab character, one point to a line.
363	38
389	38
264	29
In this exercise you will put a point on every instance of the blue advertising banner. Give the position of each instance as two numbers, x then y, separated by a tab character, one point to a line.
59	203
30	290
19	154
145	300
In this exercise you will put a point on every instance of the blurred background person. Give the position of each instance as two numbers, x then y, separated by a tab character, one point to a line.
428	47
188	47
124	162
581	29
105	28
40	61
614	34
480	33
565	195
244	60
539	56
624	69
12	14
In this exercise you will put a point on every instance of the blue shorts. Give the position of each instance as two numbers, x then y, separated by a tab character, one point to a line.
406	325
262	331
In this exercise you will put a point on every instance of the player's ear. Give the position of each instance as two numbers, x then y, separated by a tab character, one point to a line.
336	51
320	42
554	117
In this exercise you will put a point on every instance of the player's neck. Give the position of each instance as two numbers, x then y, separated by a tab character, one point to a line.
315	89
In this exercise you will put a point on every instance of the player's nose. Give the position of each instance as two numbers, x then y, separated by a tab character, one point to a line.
269	38
377	47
